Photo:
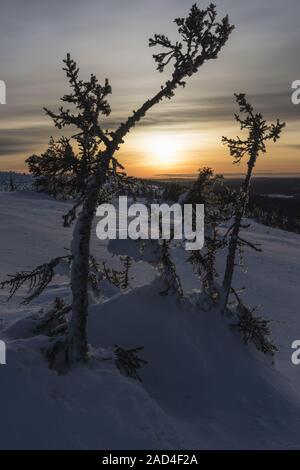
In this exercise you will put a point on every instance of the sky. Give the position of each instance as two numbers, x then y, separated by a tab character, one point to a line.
110	39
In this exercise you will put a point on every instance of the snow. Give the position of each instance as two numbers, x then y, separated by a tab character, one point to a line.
202	387
91	408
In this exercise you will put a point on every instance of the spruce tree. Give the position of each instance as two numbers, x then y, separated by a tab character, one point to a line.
259	133
210	190
201	39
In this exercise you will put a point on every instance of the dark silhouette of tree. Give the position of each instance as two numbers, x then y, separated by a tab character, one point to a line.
209	189
259	132
172	191
169	278
56	170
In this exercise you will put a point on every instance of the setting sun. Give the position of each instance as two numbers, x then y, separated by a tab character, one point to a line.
163	149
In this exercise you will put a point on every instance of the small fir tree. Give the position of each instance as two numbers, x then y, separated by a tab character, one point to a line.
259	133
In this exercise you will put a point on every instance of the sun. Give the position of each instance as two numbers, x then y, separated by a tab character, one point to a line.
163	149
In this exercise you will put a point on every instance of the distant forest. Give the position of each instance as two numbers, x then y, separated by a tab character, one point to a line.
274	201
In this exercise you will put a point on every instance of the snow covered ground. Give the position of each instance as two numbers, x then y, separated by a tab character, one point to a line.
202	388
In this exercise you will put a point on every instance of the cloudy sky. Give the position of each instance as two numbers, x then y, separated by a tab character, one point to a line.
110	39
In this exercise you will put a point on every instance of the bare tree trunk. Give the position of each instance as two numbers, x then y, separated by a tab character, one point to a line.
233	243
80	248
211	259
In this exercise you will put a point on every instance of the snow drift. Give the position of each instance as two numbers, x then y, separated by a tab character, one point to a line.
202	387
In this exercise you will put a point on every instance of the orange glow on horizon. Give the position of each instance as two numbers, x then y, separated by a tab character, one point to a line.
159	153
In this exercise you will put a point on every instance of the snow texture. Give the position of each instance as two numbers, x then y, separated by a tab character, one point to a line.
202	387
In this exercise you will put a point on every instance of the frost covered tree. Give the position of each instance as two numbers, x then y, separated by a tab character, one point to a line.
259	133
201	37
169	278
209	189
55	170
